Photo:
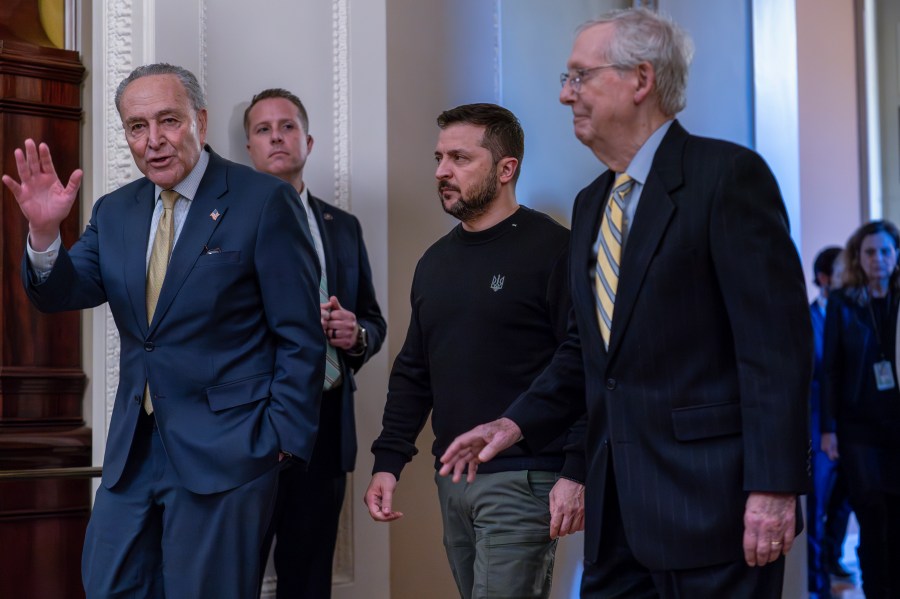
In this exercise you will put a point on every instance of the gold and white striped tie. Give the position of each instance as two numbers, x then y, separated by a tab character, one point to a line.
609	254
159	262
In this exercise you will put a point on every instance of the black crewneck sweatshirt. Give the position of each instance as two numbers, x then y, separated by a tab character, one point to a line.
488	311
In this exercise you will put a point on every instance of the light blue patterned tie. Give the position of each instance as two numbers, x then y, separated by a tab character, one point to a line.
332	360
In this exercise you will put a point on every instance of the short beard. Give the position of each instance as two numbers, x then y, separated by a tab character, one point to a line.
475	202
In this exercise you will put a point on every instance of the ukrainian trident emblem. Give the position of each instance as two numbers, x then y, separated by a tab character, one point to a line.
497	282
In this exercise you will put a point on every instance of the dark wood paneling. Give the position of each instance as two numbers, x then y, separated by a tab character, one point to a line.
42	522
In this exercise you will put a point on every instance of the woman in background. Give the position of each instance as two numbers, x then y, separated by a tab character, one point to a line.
861	410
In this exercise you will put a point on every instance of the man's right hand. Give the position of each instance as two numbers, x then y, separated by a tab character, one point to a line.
477	446
379	497
40	194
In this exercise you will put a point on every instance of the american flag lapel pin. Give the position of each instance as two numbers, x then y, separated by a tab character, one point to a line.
214	214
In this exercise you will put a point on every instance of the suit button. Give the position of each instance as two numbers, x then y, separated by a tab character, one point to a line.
610	384
137	399
148	346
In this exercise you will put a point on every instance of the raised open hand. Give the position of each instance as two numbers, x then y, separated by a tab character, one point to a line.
43	199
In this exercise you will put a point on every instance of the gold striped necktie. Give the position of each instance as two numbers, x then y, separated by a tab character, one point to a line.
609	254
159	262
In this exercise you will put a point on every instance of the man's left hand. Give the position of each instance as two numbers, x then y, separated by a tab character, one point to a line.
769	525
566	508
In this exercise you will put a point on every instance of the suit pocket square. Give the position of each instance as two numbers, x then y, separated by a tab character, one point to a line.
706	421
215	256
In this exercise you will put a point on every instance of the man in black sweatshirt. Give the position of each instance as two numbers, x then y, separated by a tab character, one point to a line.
489	307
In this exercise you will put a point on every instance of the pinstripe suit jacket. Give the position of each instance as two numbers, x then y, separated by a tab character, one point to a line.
702	395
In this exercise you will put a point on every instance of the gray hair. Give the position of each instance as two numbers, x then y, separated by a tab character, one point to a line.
190	83
642	35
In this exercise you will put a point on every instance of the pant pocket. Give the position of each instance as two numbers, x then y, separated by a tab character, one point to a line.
518	565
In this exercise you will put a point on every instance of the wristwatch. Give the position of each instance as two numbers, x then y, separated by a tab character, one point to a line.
362	341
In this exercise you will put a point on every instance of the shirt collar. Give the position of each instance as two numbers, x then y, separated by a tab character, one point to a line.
643	160
304	199
187	187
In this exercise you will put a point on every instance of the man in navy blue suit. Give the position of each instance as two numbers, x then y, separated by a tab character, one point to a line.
309	501
694	374
212	280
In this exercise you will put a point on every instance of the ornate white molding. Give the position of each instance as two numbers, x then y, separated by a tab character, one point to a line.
343	553
118	62
341	87
115	161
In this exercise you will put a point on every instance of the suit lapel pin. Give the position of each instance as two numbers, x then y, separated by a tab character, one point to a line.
327	216
214	214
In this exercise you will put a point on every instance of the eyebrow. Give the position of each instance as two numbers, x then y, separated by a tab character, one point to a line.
452	152
155	116
274	122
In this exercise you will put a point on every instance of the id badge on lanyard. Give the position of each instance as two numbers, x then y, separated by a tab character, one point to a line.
884	376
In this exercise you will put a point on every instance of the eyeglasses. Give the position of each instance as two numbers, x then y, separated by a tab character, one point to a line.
579	76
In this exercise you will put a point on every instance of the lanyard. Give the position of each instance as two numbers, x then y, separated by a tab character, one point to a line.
875	326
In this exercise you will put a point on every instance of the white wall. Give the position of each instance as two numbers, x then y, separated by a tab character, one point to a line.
536	39
720	88
828	126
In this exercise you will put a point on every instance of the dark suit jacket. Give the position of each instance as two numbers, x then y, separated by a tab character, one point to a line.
852	406
235	353
702	395
350	279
